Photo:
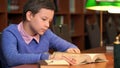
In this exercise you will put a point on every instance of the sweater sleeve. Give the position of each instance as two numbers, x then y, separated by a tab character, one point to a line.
58	43
13	58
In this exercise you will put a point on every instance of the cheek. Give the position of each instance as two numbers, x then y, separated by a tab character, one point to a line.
37	24
33	24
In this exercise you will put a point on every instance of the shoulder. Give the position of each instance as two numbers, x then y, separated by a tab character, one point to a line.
49	34
9	33
10	30
48	31
12	27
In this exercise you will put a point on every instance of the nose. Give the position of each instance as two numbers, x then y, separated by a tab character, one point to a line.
47	24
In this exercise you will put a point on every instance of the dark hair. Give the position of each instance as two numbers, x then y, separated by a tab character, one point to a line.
35	5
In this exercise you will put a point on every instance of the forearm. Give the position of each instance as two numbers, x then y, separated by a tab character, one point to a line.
62	45
17	59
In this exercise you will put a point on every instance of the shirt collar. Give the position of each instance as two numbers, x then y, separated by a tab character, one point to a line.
27	38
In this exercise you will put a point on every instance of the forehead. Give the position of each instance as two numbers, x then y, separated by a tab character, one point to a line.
46	12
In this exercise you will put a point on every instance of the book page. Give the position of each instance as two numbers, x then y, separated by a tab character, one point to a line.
80	59
91	55
97	57
83	58
56	62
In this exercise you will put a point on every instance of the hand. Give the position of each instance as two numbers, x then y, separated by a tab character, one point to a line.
73	50
69	59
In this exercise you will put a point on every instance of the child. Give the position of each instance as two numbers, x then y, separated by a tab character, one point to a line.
30	40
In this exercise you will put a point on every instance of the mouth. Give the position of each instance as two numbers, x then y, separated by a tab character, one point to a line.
43	30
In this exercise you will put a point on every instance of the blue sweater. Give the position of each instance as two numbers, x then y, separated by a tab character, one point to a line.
17	52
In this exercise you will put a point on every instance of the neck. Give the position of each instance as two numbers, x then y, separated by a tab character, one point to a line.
28	29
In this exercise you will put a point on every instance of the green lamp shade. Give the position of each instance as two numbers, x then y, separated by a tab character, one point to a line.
115	7
90	3
100	5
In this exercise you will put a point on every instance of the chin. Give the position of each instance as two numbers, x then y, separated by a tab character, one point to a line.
41	33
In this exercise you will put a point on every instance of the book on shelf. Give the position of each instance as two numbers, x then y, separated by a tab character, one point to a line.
109	48
84	58
72	6
85	10
13	5
58	20
72	25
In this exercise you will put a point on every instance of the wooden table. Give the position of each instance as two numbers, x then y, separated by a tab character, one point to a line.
109	64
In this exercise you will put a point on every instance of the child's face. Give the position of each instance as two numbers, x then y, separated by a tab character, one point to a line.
40	22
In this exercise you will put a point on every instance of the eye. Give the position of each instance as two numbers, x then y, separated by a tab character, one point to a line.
44	19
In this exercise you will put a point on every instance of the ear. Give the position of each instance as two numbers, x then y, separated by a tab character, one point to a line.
29	15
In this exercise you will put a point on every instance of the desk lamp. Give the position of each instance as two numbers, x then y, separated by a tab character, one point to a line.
99	5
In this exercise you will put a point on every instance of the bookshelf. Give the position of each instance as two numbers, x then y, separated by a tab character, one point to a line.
73	14
15	15
62	6
3	14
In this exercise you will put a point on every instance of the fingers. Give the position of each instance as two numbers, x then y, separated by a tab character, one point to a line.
76	50
73	50
70	50
71	61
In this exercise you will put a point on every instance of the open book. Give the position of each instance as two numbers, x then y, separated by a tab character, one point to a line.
53	62
84	58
